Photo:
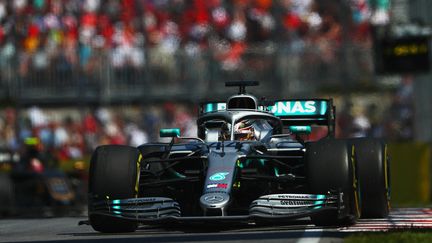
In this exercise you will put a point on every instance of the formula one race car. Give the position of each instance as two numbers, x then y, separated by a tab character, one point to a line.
251	161
29	187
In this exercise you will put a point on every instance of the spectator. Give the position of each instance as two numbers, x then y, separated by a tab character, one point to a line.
127	31
64	36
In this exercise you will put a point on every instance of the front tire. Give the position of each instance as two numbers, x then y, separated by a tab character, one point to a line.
330	167
114	172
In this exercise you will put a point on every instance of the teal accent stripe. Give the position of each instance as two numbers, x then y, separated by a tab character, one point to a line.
323	108
319	202
209	107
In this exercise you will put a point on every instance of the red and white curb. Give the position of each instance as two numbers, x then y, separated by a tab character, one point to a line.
400	218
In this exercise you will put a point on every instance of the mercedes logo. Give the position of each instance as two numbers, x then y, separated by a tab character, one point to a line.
214	199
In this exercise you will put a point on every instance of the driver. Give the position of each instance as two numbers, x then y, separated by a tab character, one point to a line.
244	130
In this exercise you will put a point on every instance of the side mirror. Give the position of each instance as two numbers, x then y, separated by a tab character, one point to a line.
169	132
300	129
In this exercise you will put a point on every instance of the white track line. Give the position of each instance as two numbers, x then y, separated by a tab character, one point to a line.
307	239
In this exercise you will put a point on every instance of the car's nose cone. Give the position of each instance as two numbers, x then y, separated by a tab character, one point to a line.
214	200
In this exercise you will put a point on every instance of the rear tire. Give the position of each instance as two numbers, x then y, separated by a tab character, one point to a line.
114	174
373	171
330	167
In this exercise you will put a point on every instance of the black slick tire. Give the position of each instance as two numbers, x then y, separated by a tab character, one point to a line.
330	167
373	171
113	174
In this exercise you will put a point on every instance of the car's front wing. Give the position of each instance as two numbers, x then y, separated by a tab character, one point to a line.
150	210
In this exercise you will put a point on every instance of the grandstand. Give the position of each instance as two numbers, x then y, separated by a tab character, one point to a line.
79	73
98	51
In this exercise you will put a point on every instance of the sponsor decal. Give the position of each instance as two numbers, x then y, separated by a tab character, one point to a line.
219	185
143	200
281	108
290	108
213	199
296	203
297	196
218	176
223	186
294	107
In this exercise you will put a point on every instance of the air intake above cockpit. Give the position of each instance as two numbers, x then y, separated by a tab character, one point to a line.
242	102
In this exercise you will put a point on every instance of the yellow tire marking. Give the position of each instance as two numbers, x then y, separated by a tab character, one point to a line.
385	167
138	174
386	176
355	183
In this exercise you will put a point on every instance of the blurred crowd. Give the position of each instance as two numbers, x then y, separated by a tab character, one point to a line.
390	116
68	34
72	36
72	135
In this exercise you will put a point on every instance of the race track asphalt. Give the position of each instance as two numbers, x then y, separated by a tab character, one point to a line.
66	229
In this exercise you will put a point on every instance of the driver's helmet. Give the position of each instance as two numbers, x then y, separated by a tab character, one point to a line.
244	131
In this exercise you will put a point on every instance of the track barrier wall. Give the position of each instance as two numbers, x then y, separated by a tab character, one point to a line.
410	173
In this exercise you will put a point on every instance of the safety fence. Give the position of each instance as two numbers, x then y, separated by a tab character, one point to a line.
283	69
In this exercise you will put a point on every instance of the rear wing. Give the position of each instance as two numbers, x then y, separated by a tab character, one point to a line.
294	112
306	112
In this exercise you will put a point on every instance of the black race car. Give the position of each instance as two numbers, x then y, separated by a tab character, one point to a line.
251	161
